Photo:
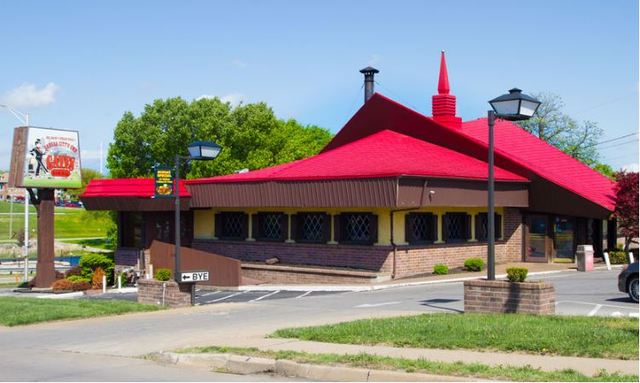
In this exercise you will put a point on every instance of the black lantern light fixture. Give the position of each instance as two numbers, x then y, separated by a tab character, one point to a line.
203	150
198	150
514	106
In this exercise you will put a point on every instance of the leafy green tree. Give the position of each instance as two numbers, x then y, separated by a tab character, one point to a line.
605	170
87	175
251	135
549	123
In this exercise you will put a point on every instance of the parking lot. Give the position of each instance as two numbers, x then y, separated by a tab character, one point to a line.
205	297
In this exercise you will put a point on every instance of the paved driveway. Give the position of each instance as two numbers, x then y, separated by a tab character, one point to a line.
93	349
593	293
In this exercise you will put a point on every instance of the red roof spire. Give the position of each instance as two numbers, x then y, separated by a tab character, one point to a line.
444	104
443	82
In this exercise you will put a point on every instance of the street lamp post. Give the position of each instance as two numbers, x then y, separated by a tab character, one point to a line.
199	150
514	106
24	119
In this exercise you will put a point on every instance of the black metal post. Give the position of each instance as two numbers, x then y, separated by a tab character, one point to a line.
491	256
177	221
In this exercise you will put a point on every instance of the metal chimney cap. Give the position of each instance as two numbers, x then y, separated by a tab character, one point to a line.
368	70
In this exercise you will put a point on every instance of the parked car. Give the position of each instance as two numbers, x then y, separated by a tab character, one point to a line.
628	281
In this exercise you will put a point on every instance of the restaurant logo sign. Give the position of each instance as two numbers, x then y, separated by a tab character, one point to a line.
46	158
163	182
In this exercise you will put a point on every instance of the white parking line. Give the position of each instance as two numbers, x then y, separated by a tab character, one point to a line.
304	295
265	296
228	296
594	311
634	315
211	293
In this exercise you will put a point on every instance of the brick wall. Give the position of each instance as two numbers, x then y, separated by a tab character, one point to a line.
302	275
150	291
410	260
482	296
372	258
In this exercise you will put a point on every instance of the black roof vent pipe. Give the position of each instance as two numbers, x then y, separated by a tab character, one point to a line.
368	73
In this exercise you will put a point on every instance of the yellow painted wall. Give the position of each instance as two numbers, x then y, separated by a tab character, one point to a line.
204	220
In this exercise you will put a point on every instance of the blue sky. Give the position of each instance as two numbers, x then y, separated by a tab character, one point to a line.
80	65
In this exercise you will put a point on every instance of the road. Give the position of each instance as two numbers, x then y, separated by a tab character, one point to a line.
96	347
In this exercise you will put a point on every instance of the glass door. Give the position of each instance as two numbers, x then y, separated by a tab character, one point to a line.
538	242
564	238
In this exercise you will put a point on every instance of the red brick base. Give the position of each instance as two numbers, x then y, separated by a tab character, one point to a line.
167	294
483	296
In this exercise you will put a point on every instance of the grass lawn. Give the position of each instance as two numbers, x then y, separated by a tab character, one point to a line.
99	243
69	222
18	311
527	374
598	337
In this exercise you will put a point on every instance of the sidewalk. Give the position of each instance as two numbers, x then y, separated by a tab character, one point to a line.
587	366
535	269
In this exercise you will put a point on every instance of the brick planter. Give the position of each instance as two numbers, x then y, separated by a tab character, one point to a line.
150	291
483	296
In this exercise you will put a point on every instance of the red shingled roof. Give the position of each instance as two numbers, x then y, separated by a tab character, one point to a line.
125	187
383	154
545	160
516	150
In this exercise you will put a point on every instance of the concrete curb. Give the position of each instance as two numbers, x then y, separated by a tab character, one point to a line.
357	288
244	365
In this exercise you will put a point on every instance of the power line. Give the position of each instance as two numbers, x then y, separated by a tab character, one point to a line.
617	138
619	144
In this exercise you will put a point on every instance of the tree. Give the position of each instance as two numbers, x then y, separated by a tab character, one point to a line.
626	211
87	175
605	170
251	136
549	123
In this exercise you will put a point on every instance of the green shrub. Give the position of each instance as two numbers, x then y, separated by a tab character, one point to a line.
440	269
163	274
473	264
77	278
76	270
91	261
617	257
123	278
517	274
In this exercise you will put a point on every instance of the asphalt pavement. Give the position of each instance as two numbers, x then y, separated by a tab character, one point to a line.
96	348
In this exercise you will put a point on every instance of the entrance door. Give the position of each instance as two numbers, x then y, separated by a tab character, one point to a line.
564	238
538	241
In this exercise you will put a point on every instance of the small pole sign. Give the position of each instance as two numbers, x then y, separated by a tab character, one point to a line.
194	276
163	182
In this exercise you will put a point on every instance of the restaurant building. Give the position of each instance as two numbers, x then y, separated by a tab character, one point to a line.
393	194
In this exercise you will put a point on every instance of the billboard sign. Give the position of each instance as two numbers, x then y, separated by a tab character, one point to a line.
52	159
163	182
46	158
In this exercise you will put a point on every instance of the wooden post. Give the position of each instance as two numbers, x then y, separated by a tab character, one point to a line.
45	270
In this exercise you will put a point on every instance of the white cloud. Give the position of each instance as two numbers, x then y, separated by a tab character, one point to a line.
239	63
28	95
631	167
234	99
